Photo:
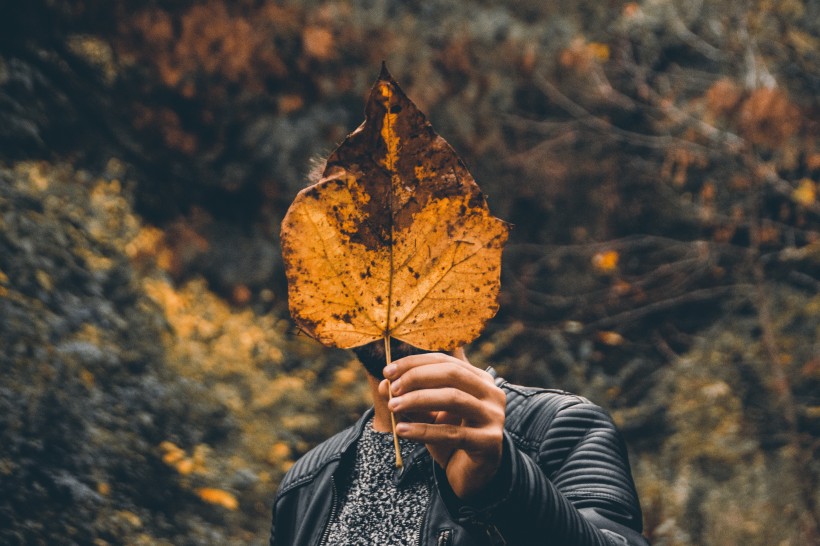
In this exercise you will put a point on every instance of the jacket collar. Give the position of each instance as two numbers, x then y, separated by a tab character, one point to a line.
351	435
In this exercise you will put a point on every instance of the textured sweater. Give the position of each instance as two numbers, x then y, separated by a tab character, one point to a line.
374	509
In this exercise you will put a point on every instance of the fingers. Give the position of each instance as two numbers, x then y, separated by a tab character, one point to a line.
399	367
435	382
452	400
421	417
475	440
436	370
449	405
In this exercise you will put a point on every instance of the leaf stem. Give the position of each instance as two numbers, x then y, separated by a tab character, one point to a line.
388	360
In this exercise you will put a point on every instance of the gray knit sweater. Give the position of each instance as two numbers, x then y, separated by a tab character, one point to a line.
373	509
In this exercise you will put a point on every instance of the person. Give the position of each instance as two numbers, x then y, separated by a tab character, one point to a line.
486	462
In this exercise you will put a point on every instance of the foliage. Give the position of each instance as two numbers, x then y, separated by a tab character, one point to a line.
85	397
133	410
659	162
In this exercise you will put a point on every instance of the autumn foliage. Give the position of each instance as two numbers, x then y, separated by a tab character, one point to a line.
658	159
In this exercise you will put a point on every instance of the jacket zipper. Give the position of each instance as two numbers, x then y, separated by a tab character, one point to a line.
333	507
494	536
445	537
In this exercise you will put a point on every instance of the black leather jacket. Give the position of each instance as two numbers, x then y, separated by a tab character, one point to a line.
564	481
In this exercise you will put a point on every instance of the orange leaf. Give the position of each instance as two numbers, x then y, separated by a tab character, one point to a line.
318	43
606	261
599	51
612	339
395	240
218	497
805	193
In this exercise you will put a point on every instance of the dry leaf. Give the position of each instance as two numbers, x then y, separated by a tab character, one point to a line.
395	240
805	193
218	497
613	339
606	261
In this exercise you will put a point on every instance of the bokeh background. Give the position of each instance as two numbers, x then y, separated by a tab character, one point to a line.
659	160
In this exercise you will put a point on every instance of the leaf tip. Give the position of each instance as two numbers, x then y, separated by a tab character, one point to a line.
384	74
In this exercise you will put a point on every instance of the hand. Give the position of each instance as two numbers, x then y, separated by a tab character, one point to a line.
456	410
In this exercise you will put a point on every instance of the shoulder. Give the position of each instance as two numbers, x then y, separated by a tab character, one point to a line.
538	418
533	409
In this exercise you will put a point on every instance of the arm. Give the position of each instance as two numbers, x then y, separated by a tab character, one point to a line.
579	492
576	489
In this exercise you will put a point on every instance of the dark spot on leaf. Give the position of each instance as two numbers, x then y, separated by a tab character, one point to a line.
347	317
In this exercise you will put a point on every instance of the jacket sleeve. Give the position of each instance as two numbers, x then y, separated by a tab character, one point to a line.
577	489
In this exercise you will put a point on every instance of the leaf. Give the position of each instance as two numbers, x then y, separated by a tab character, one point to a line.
606	261
218	497
613	339
805	193
395	240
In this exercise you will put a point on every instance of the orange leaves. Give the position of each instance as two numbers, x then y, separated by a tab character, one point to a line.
723	97
678	161
169	126
175	457
767	117
582	55
631	9
278	452
209	38
395	239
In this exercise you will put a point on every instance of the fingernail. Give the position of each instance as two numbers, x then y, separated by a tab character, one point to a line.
396	386
394	403
390	370
402	428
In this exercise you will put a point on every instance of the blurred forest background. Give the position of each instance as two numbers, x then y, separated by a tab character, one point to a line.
659	159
